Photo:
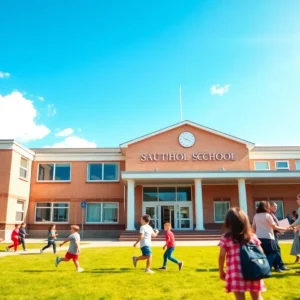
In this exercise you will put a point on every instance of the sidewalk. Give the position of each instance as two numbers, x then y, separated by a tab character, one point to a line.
112	243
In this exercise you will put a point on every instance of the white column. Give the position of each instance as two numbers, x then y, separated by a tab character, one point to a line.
199	205
242	195
130	205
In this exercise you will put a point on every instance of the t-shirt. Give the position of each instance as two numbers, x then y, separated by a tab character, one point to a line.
170	239
147	232
263	223
74	237
51	234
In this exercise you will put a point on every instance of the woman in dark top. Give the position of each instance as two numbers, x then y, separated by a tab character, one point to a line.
22	235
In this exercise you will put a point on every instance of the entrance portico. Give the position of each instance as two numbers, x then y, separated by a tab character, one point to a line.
191	214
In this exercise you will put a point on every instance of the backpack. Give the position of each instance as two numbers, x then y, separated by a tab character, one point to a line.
254	263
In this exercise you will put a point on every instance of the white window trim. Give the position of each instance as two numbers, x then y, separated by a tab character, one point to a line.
26	169
103	223
51	163
51	213
219	222
262	161
257	202
167	185
24	202
285	161
297	161
102	163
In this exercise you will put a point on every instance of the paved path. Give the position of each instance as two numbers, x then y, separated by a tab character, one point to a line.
112	243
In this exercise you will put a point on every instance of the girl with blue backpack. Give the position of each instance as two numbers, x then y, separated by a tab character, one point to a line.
238	234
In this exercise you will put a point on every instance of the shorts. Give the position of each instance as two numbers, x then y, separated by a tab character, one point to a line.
69	256
146	251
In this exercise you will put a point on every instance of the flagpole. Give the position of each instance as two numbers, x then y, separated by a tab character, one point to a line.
180	100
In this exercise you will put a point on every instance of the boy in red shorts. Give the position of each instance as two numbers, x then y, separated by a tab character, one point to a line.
73	251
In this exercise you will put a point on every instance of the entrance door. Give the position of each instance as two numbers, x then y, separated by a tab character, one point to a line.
152	211
184	218
168	215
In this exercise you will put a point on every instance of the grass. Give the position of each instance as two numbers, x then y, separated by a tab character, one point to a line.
109	274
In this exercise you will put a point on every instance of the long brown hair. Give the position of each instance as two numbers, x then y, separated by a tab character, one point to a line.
263	207
50	227
237	226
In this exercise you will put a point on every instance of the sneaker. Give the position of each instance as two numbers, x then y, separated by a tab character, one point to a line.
79	270
180	265
284	268
41	251
277	270
134	261
7	249
148	271
25	250
163	268
57	261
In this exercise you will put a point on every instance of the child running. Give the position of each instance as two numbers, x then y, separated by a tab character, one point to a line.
14	238
51	239
73	252
170	245
237	232
22	235
146	233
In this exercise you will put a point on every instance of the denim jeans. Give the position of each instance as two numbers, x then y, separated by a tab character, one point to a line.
271	251
49	245
168	256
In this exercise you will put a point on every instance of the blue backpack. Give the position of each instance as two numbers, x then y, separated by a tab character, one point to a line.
255	265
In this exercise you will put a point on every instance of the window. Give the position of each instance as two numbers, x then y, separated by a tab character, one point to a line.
102	213
103	172
167	194
280	208
282	165
20	211
52	212
23	168
261	165
298	165
220	210
54	172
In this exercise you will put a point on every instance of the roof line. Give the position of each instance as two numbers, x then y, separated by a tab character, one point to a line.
186	122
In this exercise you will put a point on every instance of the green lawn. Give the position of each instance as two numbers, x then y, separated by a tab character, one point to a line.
109	274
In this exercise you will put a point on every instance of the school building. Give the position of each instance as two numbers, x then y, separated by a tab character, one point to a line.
186	174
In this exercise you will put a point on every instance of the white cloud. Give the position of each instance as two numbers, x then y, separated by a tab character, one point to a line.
51	110
18	119
42	99
219	90
73	142
4	75
65	132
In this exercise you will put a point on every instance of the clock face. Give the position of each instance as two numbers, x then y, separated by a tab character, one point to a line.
187	139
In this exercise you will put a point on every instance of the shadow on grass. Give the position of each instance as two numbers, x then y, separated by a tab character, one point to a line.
207	270
39	271
286	274
110	270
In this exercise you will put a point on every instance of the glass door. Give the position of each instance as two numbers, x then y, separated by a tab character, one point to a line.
184	217
167	215
152	211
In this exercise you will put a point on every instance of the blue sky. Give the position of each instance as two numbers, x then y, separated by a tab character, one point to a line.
110	70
